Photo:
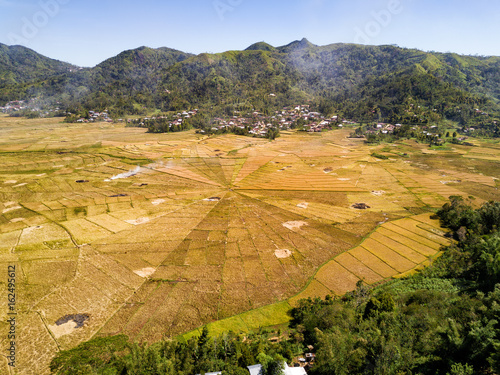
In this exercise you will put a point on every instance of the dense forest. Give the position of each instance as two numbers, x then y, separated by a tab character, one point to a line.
365	83
443	320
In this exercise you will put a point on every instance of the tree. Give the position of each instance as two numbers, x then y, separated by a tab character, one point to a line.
457	214
340	353
460	369
97	354
382	303
488	264
271	365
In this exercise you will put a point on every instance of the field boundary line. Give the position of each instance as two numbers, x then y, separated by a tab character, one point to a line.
313	278
396	251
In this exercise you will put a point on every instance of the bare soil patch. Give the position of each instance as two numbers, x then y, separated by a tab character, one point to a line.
145	272
156	202
139	221
68	323
282	253
294	224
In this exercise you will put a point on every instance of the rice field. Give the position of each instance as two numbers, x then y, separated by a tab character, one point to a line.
156	235
382	256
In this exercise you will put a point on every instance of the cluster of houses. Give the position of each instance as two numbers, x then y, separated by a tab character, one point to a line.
299	368
96	116
256	369
178	119
33	105
383	128
260	124
14	106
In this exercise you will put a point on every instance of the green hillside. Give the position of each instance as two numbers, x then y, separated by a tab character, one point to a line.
365	83
21	68
261	46
20	64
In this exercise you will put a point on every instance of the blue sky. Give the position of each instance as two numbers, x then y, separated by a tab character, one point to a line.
87	32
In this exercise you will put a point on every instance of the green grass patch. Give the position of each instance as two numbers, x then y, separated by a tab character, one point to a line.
445	147
380	156
414	284
267	316
80	211
253	320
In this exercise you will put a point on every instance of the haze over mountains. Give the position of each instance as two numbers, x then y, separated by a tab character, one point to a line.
366	82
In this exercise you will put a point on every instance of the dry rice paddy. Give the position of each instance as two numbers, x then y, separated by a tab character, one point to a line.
155	235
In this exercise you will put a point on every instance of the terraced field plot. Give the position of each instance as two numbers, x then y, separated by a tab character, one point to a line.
155	235
395	248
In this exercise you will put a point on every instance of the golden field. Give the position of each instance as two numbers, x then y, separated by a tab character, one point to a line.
156	235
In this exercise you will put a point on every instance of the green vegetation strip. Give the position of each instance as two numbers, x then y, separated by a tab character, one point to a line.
266	316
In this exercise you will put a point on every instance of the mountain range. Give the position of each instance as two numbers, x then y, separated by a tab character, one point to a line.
364	82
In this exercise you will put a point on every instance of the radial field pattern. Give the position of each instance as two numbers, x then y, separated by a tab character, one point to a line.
115	231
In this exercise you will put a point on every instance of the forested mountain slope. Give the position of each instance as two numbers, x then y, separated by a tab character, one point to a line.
362	82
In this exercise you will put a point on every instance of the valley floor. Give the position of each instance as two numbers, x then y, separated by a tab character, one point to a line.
153	236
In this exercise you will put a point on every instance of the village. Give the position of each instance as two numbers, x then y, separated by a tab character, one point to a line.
175	120
32	108
14	106
288	118
96	116
254	124
298	368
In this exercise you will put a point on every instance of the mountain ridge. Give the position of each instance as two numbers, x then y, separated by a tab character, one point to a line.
19	64
355	80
